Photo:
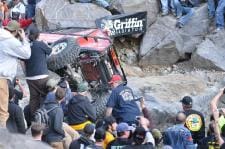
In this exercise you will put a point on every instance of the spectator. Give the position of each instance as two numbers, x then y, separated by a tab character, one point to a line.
146	113
37	70
80	110
183	12
101	3
166	6
37	131
123	135
55	133
178	136
211	9
157	135
139	136
19	94
99	139
13	49
18	10
144	123
121	102
15	122
27	115
195	121
85	139
31	8
51	87
109	124
220	15
209	141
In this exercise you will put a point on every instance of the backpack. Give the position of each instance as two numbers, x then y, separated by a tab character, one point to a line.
41	115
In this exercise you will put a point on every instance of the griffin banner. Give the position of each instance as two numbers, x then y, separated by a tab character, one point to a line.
125	24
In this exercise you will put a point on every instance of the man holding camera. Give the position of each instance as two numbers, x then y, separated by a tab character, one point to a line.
14	46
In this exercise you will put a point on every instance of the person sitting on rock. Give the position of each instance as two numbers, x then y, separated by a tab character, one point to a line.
220	16
195	121
121	102
183	12
166	5
101	3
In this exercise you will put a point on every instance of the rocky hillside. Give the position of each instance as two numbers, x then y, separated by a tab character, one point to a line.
164	64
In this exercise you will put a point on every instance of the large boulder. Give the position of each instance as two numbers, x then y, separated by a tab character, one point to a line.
55	14
126	6
12	141
161	43
165	44
209	56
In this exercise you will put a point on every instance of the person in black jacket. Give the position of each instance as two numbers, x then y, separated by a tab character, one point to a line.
15	122
85	139
80	110
37	70
54	134
195	120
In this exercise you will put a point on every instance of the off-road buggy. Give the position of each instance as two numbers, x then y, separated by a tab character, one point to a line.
89	53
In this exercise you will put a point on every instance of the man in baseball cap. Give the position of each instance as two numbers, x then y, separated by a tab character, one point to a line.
123	134
121	93
187	100
194	119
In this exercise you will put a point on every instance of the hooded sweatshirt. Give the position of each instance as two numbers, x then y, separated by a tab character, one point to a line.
80	110
11	49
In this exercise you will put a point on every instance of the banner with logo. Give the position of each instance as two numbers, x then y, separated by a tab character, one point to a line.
124	24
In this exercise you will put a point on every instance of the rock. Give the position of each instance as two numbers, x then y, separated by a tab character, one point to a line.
12	141
218	39
161	45
209	56
164	44
151	6
199	23
133	71
163	93
64	15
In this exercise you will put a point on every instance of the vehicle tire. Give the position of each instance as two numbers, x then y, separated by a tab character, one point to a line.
64	51
100	103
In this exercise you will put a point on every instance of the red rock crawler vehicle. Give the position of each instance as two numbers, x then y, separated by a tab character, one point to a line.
89	53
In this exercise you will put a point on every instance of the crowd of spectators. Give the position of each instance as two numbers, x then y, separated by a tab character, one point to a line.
66	119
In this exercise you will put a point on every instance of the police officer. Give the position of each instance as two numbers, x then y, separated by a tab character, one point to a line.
195	121
121	102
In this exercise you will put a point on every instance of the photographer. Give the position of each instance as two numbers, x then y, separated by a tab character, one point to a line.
218	115
11	49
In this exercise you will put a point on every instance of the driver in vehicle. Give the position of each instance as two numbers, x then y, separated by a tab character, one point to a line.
121	102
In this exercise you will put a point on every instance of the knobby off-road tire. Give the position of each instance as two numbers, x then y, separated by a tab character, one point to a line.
65	51
100	103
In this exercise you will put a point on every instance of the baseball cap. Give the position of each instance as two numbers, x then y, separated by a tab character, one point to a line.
187	100
13	26
115	78
121	127
156	134
89	129
82	87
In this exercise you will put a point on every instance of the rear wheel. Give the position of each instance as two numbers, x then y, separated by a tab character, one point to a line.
100	101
